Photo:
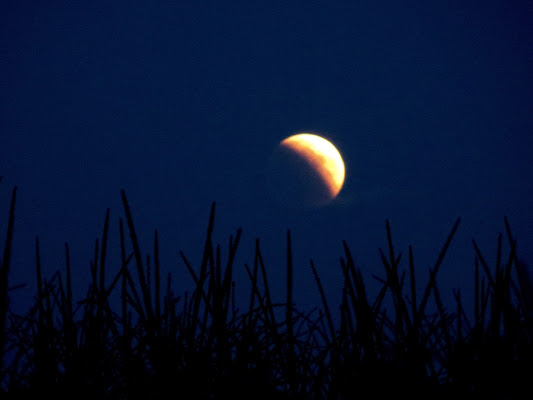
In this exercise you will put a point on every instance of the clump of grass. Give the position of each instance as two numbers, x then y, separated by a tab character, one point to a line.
200	345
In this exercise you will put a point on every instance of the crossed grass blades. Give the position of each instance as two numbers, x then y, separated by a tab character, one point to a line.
201	346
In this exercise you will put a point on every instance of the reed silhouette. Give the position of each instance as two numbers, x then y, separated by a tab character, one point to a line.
201	346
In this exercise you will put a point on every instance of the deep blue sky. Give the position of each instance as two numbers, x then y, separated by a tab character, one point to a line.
181	103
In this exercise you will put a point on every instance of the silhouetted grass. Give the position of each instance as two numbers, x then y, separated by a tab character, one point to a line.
200	345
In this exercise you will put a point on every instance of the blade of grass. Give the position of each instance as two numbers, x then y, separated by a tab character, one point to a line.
499	256
229	270
476	293
103	253
443	318
148	273
157	279
218	276
395	284
361	307
524	281
291	359
413	286
40	292
4	275
101	292
272	319
254	292
199	291
69	282
124	291
483	264
70	329
348	286
206	258
324	301
433	272
485	293
138	259
457	295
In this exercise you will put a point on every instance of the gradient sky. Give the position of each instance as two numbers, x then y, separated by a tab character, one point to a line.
182	103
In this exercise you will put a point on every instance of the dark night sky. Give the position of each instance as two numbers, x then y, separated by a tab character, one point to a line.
182	103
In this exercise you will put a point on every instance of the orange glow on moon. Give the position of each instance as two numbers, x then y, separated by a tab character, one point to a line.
322	156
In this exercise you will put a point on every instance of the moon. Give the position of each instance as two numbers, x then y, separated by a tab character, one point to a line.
306	170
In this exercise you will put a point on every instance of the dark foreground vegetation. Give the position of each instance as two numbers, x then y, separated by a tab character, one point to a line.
154	344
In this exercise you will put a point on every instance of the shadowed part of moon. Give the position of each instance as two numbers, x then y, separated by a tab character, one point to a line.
319	160
295	181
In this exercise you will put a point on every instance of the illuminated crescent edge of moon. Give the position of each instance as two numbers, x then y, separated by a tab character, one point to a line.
324	154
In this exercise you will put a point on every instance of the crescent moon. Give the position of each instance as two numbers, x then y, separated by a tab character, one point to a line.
322	155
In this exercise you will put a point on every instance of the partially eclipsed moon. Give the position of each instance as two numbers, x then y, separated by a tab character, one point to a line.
309	170
322	155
